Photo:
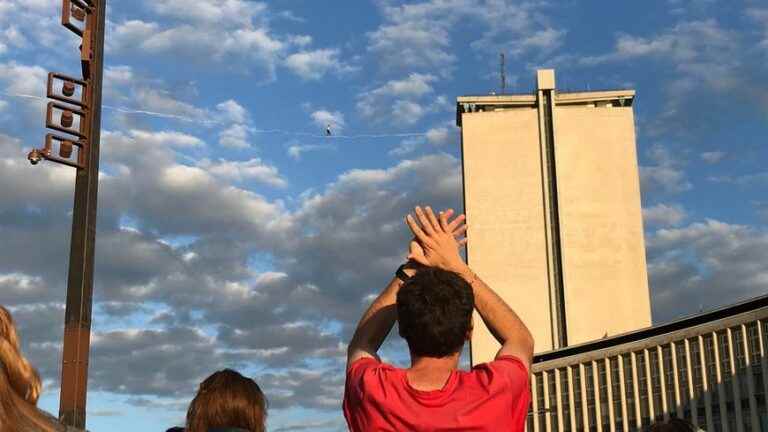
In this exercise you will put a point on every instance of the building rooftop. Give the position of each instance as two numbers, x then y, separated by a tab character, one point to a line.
603	98
747	306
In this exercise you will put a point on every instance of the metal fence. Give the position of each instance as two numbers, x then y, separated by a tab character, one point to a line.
712	374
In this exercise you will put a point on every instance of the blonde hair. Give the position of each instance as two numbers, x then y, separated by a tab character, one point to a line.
20	384
227	399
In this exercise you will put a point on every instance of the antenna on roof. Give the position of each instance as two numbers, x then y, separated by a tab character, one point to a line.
503	74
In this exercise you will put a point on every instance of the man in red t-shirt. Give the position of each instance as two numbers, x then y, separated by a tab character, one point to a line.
432	298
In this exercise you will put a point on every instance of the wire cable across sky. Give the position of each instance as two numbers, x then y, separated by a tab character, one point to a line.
124	110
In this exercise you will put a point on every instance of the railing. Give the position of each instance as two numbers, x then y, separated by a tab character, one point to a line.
713	374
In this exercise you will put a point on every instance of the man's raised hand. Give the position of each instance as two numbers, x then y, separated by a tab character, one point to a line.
435	241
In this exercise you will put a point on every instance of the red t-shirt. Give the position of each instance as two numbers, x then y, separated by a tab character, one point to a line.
491	397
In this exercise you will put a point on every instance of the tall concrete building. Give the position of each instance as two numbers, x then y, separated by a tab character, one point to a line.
552	198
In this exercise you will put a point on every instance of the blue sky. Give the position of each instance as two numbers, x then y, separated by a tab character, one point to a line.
233	233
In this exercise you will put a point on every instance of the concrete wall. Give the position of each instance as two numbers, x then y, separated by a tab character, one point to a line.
601	229
504	207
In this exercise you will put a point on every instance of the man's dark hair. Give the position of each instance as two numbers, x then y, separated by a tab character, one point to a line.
673	425
434	311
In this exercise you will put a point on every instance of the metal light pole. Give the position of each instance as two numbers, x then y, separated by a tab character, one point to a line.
78	99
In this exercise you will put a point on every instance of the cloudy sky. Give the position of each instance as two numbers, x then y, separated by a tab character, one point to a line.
233	234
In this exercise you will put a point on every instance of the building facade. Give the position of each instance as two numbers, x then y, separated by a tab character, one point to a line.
552	199
709	369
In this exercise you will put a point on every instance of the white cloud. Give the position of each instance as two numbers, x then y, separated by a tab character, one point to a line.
713	157
295	151
167	138
399	101
667	179
323	118
27	83
664	215
439	135
30	21
516	29
667	175
211	12
406	146
233	111
239	171
11	37
161	101
417	36
23	79
709	64
232	33
411	45
235	136
760	16
705	265
407	112
684	43
415	85
118	76
443	134
246	45
300	40
314	65
757	178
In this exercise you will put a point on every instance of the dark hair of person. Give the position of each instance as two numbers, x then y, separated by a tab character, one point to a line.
434	312
227	399
673	425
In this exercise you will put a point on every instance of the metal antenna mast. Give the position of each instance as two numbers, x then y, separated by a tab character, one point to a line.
503	74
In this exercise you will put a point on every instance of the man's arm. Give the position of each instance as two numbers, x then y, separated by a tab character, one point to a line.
501	320
440	251
375	324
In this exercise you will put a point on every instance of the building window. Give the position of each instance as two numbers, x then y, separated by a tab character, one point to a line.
709	355
540	408
642	388
756	361
616	389
590	388
629	388
563	399
553	396
577	405
682	379
669	377
725	370
602	382
658	407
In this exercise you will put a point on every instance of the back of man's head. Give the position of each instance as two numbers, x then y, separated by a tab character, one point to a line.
434	312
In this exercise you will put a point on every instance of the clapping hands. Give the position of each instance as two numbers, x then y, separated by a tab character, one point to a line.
437	239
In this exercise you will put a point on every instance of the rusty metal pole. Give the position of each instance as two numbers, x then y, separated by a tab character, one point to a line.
77	331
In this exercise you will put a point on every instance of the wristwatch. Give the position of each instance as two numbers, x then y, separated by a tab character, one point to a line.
400	273
410	264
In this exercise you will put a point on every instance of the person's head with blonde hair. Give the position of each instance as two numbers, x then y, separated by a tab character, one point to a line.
227	401
20	384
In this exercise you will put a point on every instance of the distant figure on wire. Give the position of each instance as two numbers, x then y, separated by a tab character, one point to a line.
432	298
328	130
20	386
